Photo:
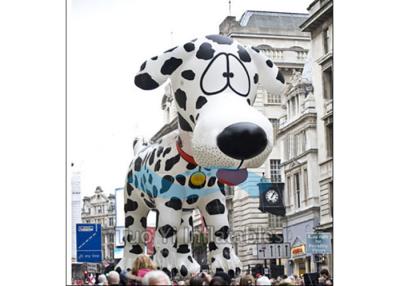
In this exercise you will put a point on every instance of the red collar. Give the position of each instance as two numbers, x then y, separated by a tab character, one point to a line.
185	155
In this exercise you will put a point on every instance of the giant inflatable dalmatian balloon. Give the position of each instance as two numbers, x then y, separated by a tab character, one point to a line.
220	134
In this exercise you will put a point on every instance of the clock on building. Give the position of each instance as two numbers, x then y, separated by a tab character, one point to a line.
272	196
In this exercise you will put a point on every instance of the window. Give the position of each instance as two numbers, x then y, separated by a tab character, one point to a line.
274	221
327	39
275	171
288	187
273	98
329	140
331	197
110	221
300	143
305	182
287	147
99	210
327	78
275	125
297	188
111	238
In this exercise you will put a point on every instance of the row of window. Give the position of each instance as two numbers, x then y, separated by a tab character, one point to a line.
294	145
297	188
101	221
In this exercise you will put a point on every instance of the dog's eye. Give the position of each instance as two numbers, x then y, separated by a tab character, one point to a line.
240	81
214	79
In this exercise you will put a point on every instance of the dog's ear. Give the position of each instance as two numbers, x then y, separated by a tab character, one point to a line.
270	76
158	69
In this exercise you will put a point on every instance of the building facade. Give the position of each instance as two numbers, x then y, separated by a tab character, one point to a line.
75	206
297	136
100	209
277	35
320	26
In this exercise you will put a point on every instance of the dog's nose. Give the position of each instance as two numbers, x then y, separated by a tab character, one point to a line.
242	140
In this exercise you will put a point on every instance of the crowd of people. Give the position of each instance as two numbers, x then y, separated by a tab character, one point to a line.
144	272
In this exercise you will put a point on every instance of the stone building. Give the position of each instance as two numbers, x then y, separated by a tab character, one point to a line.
298	140
100	209
278	35
320	26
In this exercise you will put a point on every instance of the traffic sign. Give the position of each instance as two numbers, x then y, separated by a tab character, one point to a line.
273	250
88	242
319	243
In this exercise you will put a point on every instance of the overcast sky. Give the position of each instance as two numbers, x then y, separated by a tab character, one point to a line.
107	42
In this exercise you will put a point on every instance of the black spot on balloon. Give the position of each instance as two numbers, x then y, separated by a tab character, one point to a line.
166	183
129	221
174	203
166	231
180	97
201	100
185	126
190	259
191	118
231	273
130	205
149	204
248	101
215	207
221	187
166	271
129	189
211	181
184	270
269	63
157	166
255	49
190	166
138	164
188	47
151	160
280	77
222	40
159	151
256	78
223	232
170	50
183	248
143	222
145	81
164	252
136	249
166	151
171	162
226	253
192	199
154	58
188	74
155	192
212	259
150	179
205	51
181	179
243	54
212	246
174	271
191	221
143	66
170	66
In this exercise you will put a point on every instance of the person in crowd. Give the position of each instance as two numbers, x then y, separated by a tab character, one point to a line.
263	281
141	266
247	280
224	276
325	278
102	280
218	281
198	280
113	278
155	278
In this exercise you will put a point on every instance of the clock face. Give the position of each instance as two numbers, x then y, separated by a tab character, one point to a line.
272	196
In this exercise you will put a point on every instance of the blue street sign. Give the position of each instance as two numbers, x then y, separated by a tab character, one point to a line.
88	242
319	243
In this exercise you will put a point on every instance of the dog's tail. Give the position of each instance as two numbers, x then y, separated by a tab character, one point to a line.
139	144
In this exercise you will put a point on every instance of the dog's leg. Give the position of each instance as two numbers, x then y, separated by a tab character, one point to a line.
215	214
185	262
136	212
165	238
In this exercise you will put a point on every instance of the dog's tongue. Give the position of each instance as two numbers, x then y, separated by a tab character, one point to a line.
232	177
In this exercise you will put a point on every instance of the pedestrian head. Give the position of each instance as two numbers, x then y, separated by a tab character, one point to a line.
102	280
113	278
142	262
263	281
156	277
247	280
